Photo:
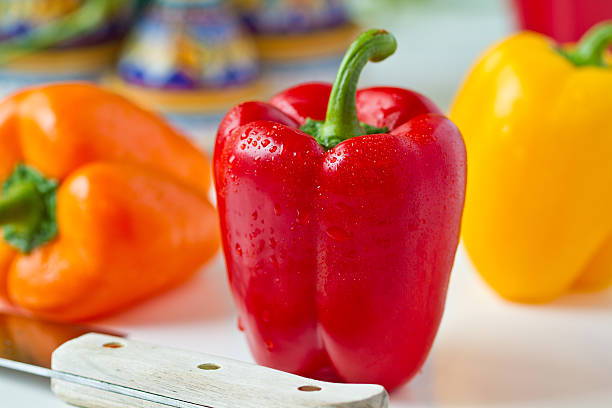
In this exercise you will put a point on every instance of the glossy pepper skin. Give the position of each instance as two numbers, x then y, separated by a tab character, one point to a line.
535	118
339	258
128	214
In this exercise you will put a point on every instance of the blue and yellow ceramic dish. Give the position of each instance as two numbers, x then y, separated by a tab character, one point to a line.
298	29
188	55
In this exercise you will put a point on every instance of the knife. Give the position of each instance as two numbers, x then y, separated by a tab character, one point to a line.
90	367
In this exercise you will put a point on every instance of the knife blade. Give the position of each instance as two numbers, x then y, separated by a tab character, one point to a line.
91	367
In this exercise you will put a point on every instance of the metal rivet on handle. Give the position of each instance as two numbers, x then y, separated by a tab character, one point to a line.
309	388
112	344
209	366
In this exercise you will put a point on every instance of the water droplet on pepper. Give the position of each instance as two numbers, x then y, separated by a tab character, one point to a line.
338	234
265	316
302	217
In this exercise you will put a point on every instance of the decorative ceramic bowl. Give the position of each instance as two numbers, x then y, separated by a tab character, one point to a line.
298	29
62	37
59	40
188	55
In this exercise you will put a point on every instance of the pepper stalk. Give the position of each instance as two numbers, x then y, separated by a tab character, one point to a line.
27	209
341	121
591	48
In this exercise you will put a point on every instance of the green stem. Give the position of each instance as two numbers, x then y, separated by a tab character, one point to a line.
21	206
341	121
591	48
27	209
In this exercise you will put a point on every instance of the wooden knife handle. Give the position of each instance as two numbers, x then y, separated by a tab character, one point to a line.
192	379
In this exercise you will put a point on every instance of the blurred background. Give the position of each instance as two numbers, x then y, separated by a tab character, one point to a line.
192	59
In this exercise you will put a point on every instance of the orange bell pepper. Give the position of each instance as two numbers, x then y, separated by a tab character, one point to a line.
103	204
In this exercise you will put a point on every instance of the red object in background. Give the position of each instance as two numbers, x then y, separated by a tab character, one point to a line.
563	20
339	258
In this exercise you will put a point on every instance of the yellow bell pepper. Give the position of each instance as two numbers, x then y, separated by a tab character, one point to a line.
537	122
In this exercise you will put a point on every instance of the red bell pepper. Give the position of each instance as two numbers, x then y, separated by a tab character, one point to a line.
339	238
563	20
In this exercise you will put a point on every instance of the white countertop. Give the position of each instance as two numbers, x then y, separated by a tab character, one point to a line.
488	353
